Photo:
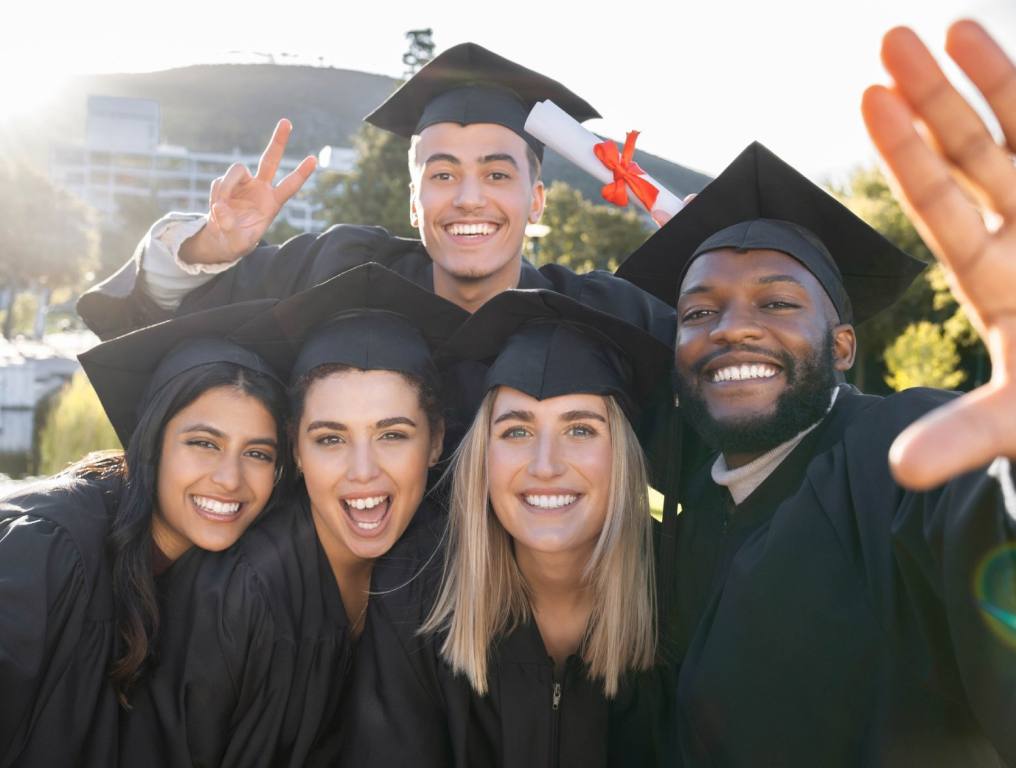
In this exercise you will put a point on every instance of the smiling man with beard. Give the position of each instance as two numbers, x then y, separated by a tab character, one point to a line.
822	614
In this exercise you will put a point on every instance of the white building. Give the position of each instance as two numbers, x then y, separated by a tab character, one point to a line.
122	157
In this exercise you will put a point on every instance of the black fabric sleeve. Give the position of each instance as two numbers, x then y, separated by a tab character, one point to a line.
120	304
939	566
43	599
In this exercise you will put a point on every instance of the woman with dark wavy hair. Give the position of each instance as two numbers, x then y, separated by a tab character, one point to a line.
86	556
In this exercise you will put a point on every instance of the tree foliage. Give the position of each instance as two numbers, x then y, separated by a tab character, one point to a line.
924	339
421	49
583	235
923	356
75	426
377	190
47	237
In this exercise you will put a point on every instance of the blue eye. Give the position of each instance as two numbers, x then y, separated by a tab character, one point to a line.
581	430
515	433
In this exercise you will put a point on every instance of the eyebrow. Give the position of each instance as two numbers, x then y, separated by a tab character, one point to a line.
515	416
764	280
582	415
497	157
567	416
500	157
439	157
216	432
338	426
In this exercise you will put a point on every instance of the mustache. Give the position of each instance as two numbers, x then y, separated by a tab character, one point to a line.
785	359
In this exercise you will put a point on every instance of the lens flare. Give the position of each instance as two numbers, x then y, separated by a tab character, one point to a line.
995	589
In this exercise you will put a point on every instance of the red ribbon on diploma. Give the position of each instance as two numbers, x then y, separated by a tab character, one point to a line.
627	174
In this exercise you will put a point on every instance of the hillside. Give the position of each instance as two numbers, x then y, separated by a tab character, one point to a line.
219	107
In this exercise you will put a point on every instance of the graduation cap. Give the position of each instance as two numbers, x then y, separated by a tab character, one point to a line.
128	370
761	202
546	344
367	317
468	84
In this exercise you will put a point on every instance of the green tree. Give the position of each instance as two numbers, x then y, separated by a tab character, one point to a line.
584	235
47	237
377	190
75	426
923	356
421	49
924	339
121	230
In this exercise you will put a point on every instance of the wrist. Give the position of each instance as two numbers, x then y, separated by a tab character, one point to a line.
203	248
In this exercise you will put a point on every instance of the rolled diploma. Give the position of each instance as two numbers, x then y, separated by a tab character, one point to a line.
561	132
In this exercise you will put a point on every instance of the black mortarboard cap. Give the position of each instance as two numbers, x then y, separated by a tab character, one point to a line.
128	370
469	84
761	202
367	317
546	344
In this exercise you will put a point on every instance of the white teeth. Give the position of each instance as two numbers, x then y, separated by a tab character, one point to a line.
365	526
365	503
745	372
484	228
216	507
551	502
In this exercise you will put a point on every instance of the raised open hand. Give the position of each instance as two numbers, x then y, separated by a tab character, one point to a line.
943	177
242	207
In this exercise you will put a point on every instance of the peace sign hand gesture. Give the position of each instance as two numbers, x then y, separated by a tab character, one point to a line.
980	261
242	207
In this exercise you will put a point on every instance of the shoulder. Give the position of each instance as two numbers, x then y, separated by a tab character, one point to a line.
607	292
410	573
79	507
376	243
869	417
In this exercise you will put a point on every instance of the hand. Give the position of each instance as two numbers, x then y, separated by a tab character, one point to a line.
980	262
241	207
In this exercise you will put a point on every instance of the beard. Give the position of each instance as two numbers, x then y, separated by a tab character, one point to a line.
810	381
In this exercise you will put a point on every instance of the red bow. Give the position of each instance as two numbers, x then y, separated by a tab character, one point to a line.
627	174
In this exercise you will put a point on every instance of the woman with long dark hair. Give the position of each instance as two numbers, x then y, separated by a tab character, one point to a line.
255	674
536	643
84	556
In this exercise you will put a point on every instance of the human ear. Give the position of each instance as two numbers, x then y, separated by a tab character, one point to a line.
844	347
436	444
538	201
414	218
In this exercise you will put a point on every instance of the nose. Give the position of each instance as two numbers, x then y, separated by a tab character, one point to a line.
469	194
546	461
363	465
736	324
228	474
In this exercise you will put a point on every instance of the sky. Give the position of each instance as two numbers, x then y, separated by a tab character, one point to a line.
700	80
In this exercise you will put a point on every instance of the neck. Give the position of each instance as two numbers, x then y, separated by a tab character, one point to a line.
561	598
352	575
473	294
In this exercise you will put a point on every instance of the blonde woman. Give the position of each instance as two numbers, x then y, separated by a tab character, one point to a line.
535	643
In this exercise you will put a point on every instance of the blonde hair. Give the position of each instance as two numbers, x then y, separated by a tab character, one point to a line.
484	595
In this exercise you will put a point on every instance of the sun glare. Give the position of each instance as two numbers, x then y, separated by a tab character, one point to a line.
25	89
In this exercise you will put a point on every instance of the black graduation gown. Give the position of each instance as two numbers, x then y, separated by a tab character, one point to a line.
252	656
406	706
57	635
830	618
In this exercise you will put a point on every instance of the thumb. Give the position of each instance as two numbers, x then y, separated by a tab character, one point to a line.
956	438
